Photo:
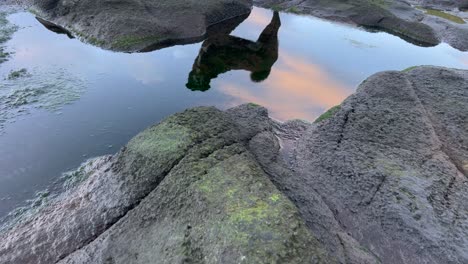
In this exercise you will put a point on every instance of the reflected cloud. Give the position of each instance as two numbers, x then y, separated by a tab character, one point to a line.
296	89
258	18
223	53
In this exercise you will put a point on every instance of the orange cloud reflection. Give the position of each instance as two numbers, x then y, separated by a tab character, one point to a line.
295	89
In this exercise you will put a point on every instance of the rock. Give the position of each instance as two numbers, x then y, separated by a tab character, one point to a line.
442	4
185	191
139	25
388	173
405	19
382	179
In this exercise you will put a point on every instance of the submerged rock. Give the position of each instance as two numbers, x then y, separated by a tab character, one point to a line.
382	179
22	91
406	19
6	31
131	25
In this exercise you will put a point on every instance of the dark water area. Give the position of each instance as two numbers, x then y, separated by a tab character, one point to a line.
77	101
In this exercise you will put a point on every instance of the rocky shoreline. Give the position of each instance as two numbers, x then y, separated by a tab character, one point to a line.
383	179
155	25
421	22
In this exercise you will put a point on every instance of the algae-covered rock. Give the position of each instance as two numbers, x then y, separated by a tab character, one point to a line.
187	190
139	25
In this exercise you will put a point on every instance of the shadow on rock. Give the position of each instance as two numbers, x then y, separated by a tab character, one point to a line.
223	53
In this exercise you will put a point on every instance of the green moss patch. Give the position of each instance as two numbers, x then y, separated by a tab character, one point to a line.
328	114
444	15
409	69
162	141
128	42
293	10
253	216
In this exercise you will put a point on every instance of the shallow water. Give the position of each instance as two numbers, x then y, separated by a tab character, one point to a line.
79	101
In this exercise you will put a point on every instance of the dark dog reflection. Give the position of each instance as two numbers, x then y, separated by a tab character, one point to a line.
223	53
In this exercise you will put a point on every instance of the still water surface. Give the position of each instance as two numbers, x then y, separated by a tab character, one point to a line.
94	101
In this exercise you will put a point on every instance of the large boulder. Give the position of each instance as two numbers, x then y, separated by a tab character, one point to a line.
406	19
135	25
185	191
388	172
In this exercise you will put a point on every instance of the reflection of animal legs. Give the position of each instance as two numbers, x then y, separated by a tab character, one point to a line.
270	33
223	53
268	42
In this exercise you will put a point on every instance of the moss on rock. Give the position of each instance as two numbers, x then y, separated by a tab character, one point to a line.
328	114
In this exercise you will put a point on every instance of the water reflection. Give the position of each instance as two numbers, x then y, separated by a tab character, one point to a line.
55	28
223	53
318	64
295	89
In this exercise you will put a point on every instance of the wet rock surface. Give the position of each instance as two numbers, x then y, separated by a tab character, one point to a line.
381	179
185	191
135	25
387	173
409	20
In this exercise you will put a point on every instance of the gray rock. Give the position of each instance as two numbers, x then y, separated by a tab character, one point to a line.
442	4
383	179
388	172
399	17
184	191
140	25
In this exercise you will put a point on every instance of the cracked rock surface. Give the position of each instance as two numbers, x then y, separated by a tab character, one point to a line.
383	180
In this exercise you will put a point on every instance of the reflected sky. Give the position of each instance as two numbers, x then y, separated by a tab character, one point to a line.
319	64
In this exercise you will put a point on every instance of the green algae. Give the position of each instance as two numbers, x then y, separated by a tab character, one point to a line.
6	31
73	178
255	216
128	42
166	139
40	200
409	69
293	10
21	91
254	105
18	74
444	15
328	114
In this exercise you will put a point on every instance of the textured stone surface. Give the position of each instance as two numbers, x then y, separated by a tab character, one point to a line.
184	191
383	179
388	171
402	18
139	25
